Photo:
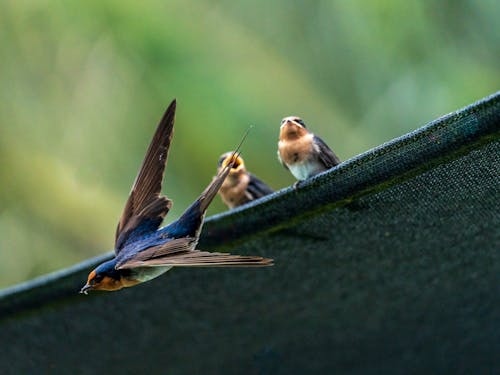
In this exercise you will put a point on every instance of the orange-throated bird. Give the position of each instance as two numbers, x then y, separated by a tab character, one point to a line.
240	186
302	152
142	251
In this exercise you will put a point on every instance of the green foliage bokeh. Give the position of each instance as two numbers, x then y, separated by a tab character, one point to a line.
83	85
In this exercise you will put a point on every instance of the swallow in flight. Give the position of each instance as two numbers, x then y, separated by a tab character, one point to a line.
240	186
301	152
142	251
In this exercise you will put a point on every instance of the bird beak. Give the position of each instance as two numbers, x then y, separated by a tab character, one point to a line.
285	122
85	289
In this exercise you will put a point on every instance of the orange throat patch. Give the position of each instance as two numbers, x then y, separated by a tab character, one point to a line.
295	150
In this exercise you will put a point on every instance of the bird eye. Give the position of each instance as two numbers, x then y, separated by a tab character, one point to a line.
300	122
98	278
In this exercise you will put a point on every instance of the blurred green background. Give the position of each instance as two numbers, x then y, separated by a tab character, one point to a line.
83	85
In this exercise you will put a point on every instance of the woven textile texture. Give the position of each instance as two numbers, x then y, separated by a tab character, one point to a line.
387	264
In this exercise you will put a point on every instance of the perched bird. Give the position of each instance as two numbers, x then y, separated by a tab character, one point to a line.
142	251
240	186
302	152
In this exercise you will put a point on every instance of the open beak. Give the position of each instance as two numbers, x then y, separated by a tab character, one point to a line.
86	288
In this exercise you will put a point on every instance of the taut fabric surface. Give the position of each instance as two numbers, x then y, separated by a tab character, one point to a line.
387	264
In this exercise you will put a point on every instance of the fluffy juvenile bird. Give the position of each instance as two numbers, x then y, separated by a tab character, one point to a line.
142	251
240	186
302	152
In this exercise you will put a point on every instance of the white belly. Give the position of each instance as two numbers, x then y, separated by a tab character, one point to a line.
305	169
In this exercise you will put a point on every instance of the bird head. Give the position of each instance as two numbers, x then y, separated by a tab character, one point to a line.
226	158
104	277
292	127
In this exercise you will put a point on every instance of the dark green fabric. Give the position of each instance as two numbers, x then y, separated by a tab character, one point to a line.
387	264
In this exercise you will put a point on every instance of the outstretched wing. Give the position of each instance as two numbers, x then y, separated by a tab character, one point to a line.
145	207
326	156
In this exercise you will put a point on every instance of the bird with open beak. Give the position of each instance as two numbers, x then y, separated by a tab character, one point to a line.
301	152
142	251
240	186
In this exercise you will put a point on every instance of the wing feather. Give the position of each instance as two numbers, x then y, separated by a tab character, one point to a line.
326	156
145	202
257	188
282	162
198	258
173	246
